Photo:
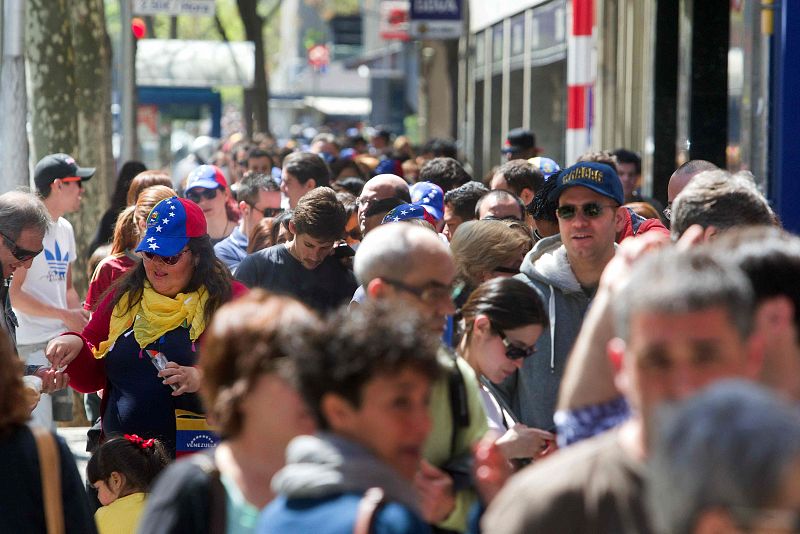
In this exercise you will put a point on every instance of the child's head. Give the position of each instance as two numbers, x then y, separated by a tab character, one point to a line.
125	465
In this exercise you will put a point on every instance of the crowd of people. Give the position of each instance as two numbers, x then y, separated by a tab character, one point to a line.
357	335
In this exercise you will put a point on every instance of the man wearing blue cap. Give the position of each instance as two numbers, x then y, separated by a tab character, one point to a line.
565	270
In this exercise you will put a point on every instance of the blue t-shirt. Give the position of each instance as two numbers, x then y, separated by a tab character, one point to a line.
335	514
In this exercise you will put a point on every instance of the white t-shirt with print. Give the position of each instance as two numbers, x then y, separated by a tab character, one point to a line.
46	281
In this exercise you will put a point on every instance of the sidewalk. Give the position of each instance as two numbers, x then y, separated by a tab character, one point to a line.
76	439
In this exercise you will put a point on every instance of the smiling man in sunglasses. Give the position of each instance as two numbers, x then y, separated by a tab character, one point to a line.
43	297
565	270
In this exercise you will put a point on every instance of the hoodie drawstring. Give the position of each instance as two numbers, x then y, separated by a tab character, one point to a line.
551	311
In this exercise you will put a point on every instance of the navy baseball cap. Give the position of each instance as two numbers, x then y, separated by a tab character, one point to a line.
170	225
598	177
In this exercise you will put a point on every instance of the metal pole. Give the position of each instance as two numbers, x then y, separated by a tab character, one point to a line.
13	99
127	68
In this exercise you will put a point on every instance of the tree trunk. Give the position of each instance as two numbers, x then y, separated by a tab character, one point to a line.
93	106
259	94
51	66
13	100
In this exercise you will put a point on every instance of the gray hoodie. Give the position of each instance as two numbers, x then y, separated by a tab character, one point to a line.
533	390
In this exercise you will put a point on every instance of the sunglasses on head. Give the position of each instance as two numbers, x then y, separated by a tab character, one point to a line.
169	260
590	210
514	352
196	195
19	253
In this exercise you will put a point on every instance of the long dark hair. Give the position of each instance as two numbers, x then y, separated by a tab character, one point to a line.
209	271
507	302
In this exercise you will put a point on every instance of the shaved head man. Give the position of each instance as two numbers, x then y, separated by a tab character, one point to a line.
381	187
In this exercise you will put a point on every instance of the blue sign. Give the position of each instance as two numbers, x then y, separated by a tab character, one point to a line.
436	19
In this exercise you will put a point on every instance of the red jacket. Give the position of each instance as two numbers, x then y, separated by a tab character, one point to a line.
637	225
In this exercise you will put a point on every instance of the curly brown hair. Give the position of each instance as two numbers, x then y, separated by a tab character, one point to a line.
247	339
13	406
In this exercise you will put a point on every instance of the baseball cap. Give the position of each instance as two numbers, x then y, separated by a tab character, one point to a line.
207	177
404	212
519	139
430	196
58	166
547	166
170	225
598	177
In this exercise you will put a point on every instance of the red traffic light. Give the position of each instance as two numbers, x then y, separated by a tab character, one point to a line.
138	27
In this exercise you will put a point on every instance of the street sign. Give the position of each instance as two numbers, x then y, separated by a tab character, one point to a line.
199	8
436	19
394	20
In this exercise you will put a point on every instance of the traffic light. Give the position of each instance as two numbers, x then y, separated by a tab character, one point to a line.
138	27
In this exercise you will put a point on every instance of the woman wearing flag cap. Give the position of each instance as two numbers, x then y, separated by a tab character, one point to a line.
162	305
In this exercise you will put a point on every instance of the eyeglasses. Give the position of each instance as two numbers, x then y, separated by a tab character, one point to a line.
430	293
18	252
169	260
668	212
514	352
196	195
591	210
266	212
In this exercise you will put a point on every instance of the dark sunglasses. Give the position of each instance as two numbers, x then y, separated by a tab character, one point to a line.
591	210
20	253
267	212
196	195
514	352
169	260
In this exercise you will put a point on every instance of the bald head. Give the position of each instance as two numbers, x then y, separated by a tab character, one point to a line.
394	250
684	174
381	187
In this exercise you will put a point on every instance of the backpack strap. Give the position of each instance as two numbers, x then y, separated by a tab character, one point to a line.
367	511
217	514
50	472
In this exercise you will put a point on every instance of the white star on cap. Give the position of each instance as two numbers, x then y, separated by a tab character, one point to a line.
396	219
403	212
165	221
153	246
172	207
426	200
151	239
172	214
158	228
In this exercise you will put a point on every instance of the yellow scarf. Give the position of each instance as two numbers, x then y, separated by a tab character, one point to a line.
154	316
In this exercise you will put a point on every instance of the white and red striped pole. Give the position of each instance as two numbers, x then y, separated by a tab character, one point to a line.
580	80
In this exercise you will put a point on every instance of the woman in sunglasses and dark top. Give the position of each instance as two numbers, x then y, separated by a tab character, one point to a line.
206	186
160	306
502	320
